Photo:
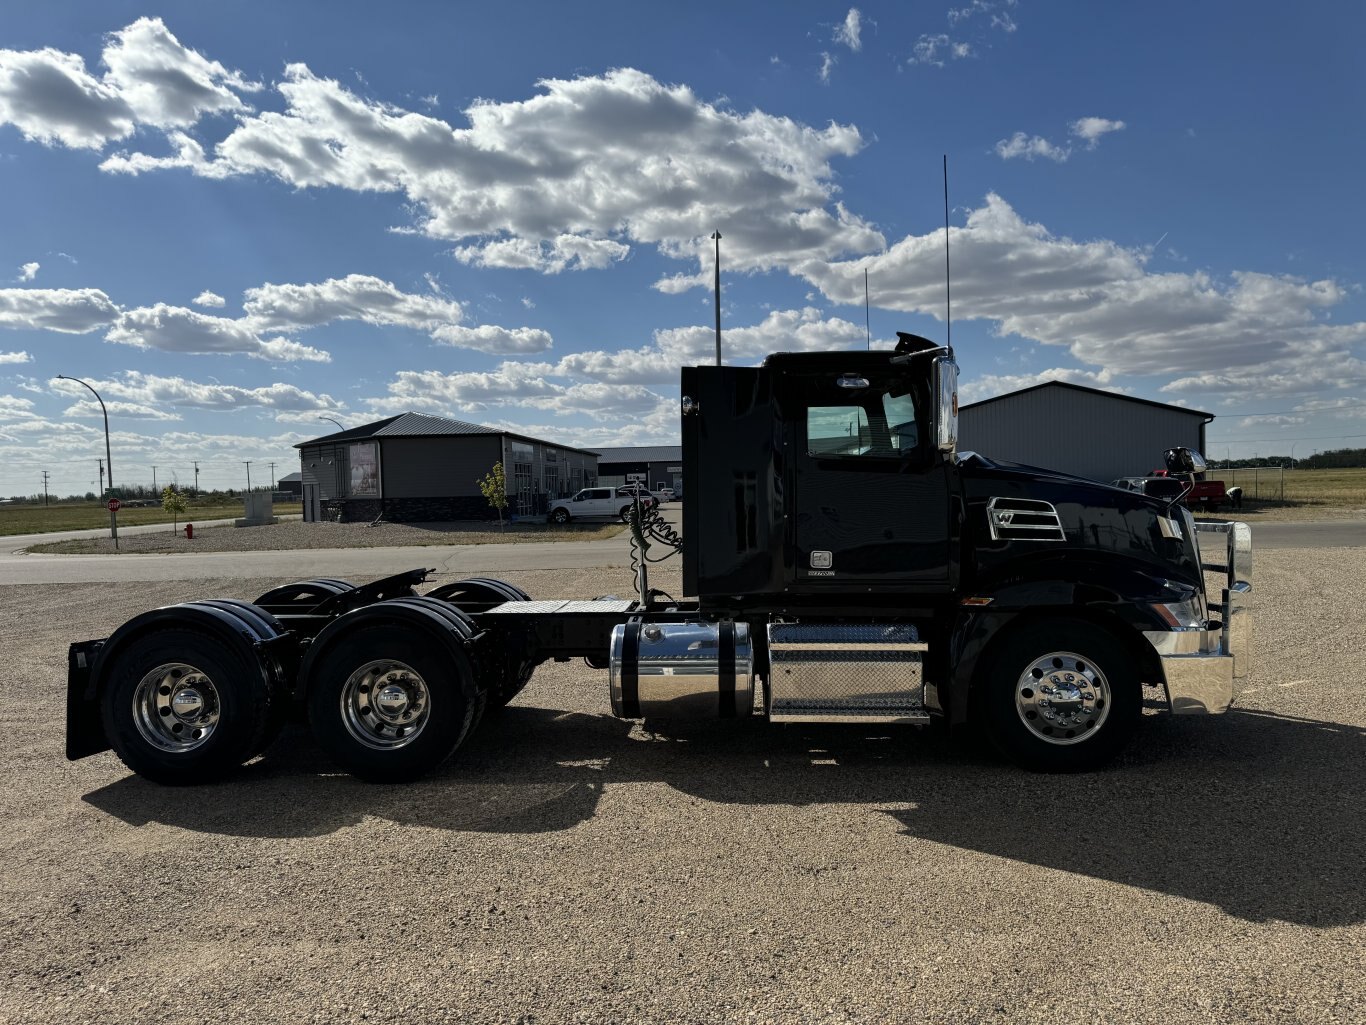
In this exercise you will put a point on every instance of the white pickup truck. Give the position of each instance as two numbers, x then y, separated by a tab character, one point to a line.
600	503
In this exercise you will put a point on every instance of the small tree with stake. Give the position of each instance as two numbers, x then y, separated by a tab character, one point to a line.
173	502
494	488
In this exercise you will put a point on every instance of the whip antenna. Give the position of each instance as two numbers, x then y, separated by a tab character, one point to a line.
948	301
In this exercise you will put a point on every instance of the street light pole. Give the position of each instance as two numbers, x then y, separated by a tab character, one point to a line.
108	457
337	422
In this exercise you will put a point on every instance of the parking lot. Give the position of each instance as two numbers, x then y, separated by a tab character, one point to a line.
568	866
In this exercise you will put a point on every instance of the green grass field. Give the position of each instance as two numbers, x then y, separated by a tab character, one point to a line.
37	519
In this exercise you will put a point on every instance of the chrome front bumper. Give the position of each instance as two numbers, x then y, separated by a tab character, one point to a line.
1202	667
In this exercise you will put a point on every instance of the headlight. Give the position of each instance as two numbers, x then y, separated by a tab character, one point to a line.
1183	615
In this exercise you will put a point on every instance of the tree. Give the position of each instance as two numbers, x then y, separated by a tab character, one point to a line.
494	488
174	503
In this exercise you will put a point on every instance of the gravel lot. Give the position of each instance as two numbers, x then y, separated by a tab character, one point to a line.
570	867
294	534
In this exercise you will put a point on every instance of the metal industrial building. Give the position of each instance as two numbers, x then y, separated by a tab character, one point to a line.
1085	431
419	468
655	466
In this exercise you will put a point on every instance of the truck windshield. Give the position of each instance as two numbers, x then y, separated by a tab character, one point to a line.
873	423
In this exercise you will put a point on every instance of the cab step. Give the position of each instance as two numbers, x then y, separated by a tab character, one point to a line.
846	673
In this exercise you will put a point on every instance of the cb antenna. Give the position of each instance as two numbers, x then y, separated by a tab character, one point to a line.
948	293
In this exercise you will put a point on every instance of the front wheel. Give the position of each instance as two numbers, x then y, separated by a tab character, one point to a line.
1061	696
560	516
386	707
625	514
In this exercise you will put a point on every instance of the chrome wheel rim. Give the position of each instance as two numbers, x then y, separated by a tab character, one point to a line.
176	707
385	705
1062	698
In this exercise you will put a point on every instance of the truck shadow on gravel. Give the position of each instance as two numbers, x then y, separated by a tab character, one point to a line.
1263	816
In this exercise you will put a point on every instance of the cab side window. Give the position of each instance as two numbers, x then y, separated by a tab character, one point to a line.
880	425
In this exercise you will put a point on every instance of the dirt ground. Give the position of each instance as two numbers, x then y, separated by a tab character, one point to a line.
567	866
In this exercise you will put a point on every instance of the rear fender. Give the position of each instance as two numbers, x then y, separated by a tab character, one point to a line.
439	623
253	633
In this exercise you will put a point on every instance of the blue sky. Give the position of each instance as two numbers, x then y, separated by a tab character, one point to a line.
234	219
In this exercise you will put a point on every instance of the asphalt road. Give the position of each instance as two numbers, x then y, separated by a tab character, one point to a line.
567	866
17	567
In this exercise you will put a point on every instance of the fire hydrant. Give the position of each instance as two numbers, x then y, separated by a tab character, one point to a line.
189	532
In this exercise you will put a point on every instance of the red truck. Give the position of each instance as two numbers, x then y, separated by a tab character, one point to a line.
1184	475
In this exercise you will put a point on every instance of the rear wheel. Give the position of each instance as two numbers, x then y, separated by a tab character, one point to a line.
1060	696
386	706
183	707
625	514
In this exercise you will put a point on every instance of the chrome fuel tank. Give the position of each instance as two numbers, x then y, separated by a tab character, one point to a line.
682	670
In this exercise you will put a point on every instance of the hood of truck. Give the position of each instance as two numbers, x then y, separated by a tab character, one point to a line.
1031	522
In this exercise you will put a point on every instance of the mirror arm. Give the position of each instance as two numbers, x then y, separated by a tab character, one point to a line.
906	357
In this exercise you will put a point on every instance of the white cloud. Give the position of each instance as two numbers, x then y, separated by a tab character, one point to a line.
973	389
658	363
152	79
51	98
89	409
158	393
849	32
567	252
827	66
997	13
14	408
937	49
488	338
15	357
177	329
163	82
1030	147
69	310
29	271
207	298
1098	300
571	178
372	300
528	303
1090	129
436	392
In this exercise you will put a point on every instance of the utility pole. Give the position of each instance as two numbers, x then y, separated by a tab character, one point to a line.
196	476
716	237
272	476
154	480
101	462
44	487
248	462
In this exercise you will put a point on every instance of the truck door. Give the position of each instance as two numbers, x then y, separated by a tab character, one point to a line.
872	495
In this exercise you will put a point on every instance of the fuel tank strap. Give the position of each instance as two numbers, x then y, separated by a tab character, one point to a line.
725	670
630	670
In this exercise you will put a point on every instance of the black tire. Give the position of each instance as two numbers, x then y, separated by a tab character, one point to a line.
149	674
625	514
337	696
1091	712
560	516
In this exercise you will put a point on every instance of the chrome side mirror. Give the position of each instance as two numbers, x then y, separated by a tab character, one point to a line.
946	406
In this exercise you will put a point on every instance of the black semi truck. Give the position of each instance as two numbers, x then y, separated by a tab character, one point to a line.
846	564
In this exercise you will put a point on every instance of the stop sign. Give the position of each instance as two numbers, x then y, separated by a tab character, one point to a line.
113	505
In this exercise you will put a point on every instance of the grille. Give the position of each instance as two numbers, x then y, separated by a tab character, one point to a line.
1023	519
